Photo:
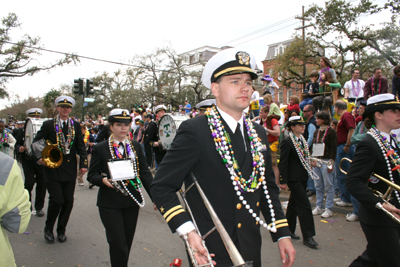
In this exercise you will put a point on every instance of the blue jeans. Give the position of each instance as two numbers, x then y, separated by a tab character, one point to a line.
144	152
305	102
254	113
324	183
341	177
310	184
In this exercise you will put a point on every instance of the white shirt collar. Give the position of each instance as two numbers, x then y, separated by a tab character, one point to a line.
232	123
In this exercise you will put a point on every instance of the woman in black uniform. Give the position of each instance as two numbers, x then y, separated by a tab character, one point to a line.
378	153
119	211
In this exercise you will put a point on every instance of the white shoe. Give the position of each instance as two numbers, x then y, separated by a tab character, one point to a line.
341	203
337	199
351	217
81	184
327	213
317	211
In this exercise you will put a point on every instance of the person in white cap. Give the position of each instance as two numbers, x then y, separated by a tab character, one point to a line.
119	211
378	153
66	134
7	140
33	172
152	137
204	105
231	159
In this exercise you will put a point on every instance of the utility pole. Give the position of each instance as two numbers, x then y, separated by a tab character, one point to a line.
303	27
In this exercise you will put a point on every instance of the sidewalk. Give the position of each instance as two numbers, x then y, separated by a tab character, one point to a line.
284	196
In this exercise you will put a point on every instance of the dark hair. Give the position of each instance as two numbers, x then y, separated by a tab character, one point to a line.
310	108
376	69
396	69
265	109
327	61
95	130
295	111
341	105
314	74
323	116
2	122
328	76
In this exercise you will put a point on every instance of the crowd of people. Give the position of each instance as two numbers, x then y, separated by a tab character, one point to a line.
252	150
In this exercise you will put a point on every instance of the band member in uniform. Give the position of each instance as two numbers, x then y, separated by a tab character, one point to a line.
295	168
66	133
231	159
152	134
204	105
378	153
33	172
119	212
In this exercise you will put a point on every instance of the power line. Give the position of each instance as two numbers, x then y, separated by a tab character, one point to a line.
262	29
266	33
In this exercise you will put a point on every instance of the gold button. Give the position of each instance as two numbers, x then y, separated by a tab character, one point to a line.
258	204
256	222
239	206
67	160
239	225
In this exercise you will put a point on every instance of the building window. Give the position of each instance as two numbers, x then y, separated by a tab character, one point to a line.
289	94
280	97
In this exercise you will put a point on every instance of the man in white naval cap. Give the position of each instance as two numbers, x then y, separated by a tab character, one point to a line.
204	105
33	172
151	135
66	134
231	159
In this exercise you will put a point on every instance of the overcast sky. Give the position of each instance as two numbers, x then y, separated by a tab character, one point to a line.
118	30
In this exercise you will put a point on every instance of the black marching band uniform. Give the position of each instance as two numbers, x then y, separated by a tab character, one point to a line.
194	151
33	172
294	174
382	233
61	181
151	136
118	212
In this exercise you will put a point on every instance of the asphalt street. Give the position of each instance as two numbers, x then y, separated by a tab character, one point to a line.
154	245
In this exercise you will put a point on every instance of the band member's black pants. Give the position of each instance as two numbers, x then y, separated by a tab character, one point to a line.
120	227
61	201
34	173
383	248
299	206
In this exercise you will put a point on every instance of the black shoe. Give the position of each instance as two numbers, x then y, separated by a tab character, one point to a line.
294	236
48	235
91	186
310	193
62	238
310	242
40	213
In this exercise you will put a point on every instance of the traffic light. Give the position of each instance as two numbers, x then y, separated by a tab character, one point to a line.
78	86
89	87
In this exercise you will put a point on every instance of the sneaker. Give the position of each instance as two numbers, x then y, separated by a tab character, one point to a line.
327	213
40	213
337	199
317	211
81	184
351	217
341	203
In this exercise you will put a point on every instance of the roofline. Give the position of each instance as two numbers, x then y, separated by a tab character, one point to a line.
205	46
290	40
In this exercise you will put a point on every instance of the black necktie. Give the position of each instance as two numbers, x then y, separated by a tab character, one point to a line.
123	149
238	134
65	128
393	143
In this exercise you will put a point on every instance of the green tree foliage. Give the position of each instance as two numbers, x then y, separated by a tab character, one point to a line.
48	102
17	57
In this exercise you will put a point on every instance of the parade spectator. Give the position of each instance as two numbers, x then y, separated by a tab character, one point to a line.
360	110
326	65
254	104
311	90
396	81
354	89
375	85
7	141
148	150
324	146
294	104
334	124
15	211
326	85
345	130
100	122
273	132
187	107
85	135
311	126
269	86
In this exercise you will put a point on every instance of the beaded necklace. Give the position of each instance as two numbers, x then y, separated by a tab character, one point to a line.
241	185
323	138
131	153
358	88
304	154
64	145
4	138
379	86
387	152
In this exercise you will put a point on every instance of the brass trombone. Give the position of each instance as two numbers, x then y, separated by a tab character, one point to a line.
385	197
319	162
234	254
52	155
